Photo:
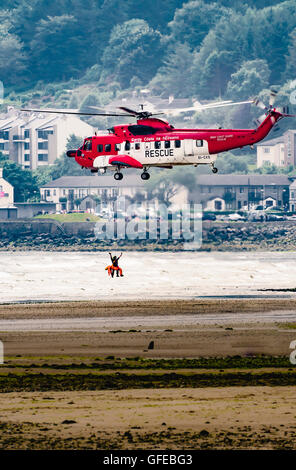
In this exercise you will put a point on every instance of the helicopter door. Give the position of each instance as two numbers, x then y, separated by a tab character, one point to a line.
188	147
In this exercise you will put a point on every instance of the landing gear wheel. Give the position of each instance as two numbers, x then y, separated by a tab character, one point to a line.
145	175
118	176
214	169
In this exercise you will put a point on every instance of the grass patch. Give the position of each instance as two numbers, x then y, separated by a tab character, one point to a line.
74	217
290	326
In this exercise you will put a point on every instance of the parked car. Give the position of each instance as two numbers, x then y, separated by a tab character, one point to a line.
209	217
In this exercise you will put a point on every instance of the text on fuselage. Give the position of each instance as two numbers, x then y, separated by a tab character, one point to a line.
159	153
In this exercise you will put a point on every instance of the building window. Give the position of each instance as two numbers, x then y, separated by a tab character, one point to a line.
177	144
4	135
266	149
42	157
26	146
199	143
54	192
42	145
241	190
27	157
43	134
100	148
26	134
167	144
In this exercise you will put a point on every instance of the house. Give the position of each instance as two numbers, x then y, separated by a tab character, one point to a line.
7	208
68	192
280	151
235	192
292	199
36	139
80	192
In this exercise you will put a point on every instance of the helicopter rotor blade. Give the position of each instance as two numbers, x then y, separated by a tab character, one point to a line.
260	104
200	107
272	97
128	110
56	111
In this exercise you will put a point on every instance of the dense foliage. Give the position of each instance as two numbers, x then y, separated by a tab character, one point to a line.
218	44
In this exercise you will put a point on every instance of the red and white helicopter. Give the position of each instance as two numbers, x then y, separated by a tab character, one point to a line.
153	142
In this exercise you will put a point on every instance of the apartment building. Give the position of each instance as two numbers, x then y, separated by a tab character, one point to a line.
280	151
36	139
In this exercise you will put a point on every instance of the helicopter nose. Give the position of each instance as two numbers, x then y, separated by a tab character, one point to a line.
71	153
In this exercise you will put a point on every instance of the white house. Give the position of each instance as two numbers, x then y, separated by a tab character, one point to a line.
6	192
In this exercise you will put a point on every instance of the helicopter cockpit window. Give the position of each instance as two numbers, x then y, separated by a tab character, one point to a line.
167	144
141	130
127	146
137	146
177	144
100	148
157	145
108	148
87	145
199	143
118	147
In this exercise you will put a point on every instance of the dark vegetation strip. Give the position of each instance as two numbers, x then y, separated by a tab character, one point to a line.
110	363
71	382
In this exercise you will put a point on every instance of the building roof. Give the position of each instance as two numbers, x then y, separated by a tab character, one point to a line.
243	180
277	140
94	181
271	142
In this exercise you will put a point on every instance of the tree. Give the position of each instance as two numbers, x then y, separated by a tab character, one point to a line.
12	55
162	188
56	51
89	101
194	20
134	50
249	80
176	73
65	165
291	57
229	163
24	183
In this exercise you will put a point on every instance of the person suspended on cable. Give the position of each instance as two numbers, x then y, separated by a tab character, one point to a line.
114	266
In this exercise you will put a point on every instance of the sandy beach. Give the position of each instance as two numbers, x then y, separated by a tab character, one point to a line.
79	372
228	418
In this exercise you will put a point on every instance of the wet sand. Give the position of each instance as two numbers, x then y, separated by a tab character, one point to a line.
231	417
122	333
180	328
227	418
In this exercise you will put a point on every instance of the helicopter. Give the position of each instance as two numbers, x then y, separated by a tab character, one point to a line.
153	142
